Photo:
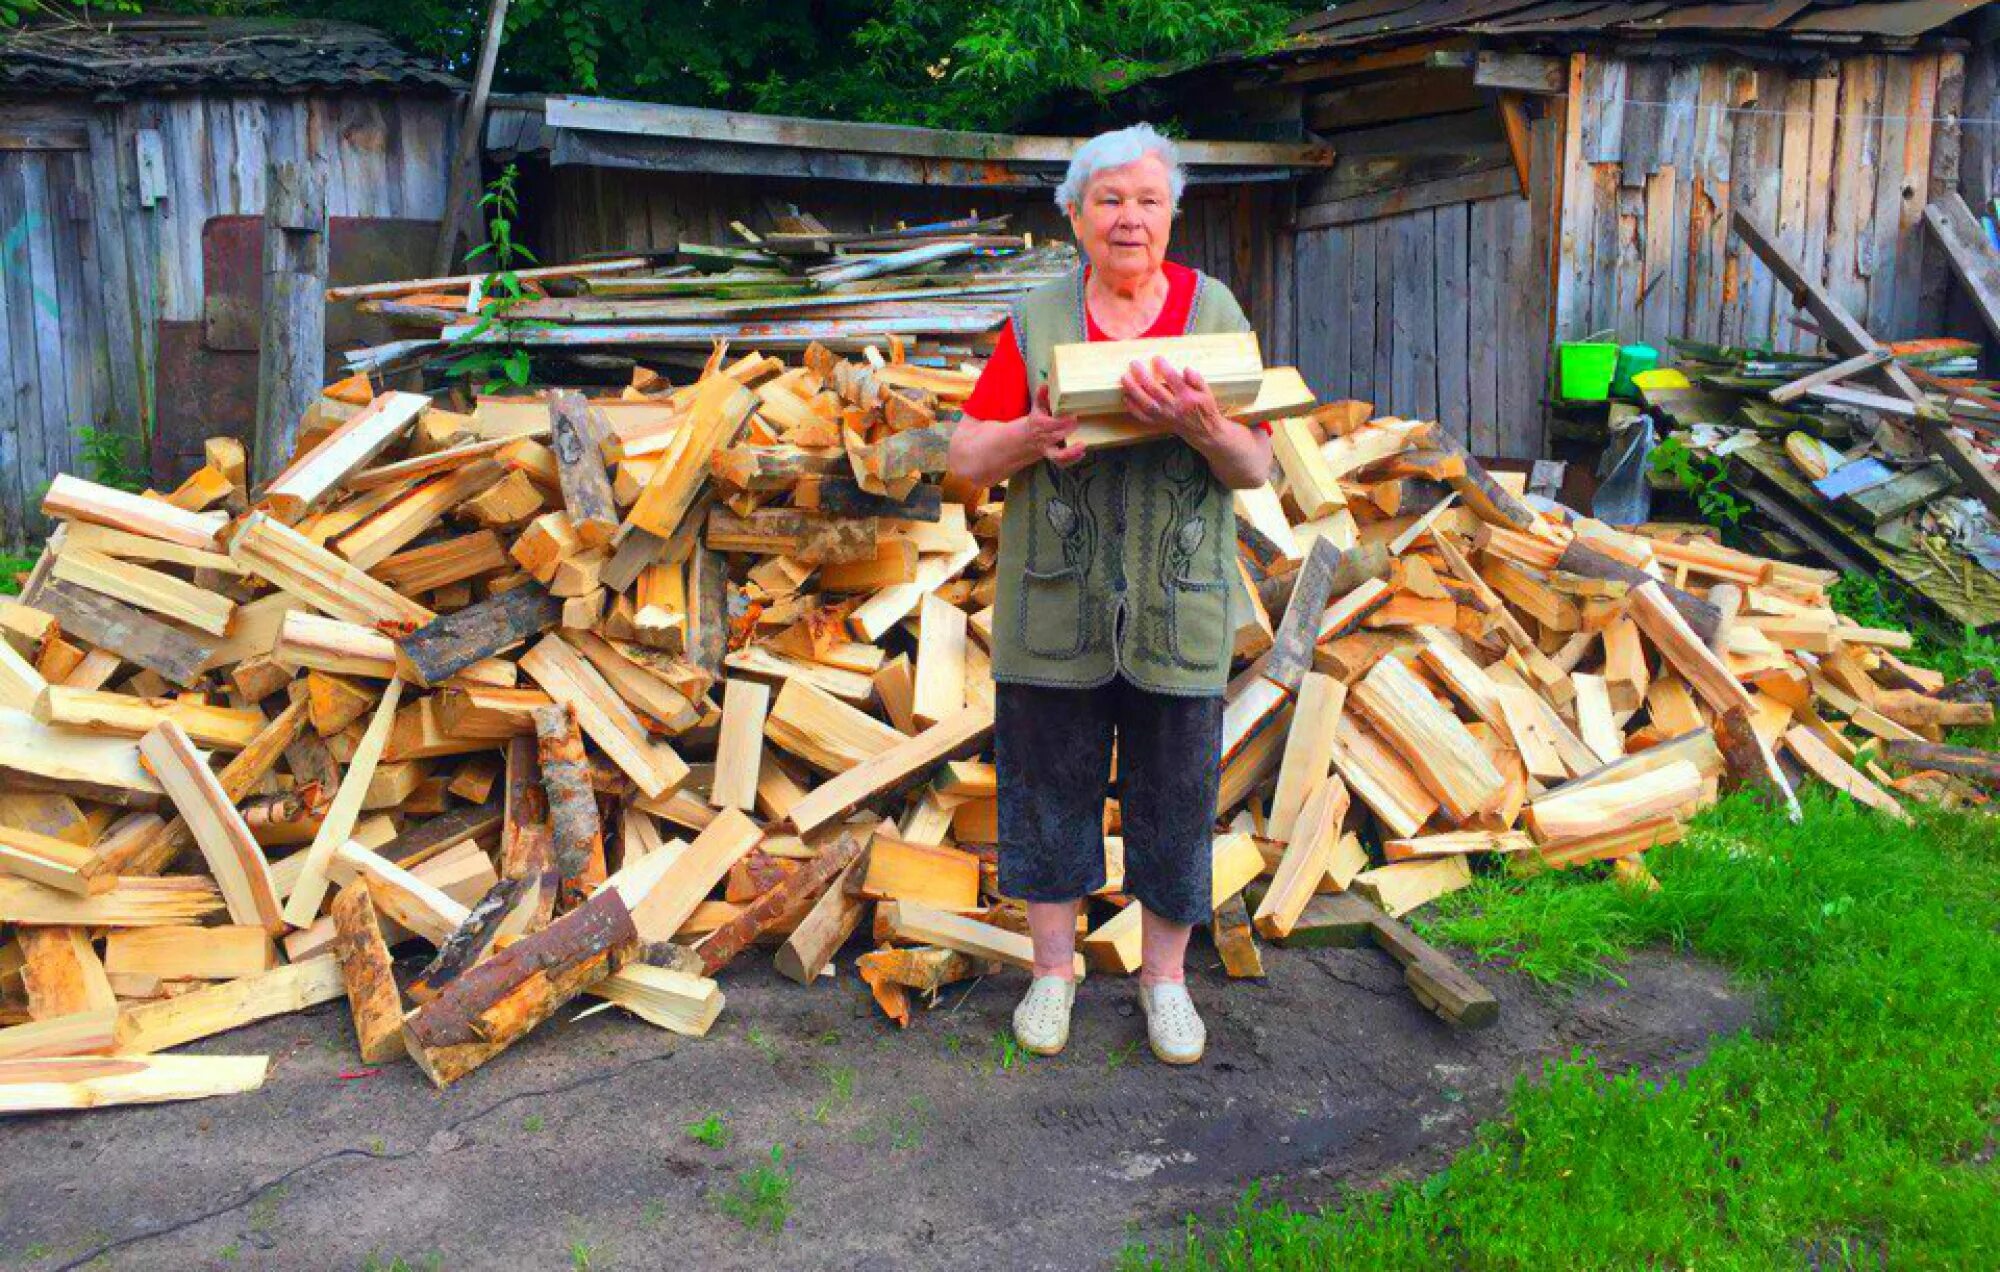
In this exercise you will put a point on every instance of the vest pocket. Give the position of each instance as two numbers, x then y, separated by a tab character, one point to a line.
1053	620
1196	601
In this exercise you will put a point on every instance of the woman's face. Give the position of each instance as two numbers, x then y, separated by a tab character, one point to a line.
1124	218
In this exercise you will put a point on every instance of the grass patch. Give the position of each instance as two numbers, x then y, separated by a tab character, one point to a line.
13	565
761	1198
840	1092
1857	1131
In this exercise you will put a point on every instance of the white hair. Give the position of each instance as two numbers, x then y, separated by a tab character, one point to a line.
1114	150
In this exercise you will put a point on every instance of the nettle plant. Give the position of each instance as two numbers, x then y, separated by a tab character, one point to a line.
1705	477
490	352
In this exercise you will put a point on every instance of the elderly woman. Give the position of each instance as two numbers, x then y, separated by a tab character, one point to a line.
1117	569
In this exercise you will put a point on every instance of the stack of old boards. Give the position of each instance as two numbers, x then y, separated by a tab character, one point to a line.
1834	469
576	696
1880	459
943	287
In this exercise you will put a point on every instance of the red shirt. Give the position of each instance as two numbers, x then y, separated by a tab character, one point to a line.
1002	391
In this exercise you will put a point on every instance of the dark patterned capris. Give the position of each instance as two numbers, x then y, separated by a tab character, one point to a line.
1053	748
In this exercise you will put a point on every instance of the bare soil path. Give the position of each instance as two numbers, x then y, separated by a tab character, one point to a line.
931	1148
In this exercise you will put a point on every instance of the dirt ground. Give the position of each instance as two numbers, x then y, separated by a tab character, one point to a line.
931	1148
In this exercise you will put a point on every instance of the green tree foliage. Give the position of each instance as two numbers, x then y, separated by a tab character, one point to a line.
945	63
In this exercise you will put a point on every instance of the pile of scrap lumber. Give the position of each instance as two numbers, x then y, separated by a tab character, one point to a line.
563	696
944	287
1881	459
1836	471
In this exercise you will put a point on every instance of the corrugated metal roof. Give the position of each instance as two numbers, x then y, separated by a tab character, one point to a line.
1365	22
188	54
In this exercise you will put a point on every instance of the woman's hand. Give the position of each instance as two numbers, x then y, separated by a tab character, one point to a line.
988	452
1181	403
1178	401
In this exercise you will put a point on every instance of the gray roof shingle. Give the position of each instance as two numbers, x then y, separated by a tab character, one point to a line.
191	54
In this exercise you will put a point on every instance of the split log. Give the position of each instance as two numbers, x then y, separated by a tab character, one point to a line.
1683	648
94	1082
446	646
1582	559
309	892
1450	762
174	1022
824	929
1327	572
496	1003
508	909
573	818
576	438
368	973
1974	765
788	901
134	635
233	856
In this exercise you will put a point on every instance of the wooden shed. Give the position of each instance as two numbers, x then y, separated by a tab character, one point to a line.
1511	172
132	185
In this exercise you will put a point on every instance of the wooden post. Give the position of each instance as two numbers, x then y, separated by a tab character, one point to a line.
291	352
464	175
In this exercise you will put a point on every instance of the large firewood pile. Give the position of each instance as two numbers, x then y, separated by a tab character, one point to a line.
612	696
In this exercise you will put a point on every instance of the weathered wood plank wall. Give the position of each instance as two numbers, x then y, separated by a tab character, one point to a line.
101	216
1418	281
1838	159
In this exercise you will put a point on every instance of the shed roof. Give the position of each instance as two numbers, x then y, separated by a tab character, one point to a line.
1361	23
187	54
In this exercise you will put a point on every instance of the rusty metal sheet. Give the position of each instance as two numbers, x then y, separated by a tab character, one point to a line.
201	393
359	250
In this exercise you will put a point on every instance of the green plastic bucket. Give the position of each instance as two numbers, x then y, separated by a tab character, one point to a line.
1584	369
1632	359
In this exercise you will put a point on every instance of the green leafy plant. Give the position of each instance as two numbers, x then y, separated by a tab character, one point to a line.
533	1123
1008	1051
15	12
761	1198
489	351
1705	477
1863	598
710	1131
106	458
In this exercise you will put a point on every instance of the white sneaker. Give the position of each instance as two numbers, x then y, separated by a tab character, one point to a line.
1173	1026
1041	1021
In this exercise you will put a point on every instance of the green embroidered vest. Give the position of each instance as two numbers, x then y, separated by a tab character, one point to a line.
1126	561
